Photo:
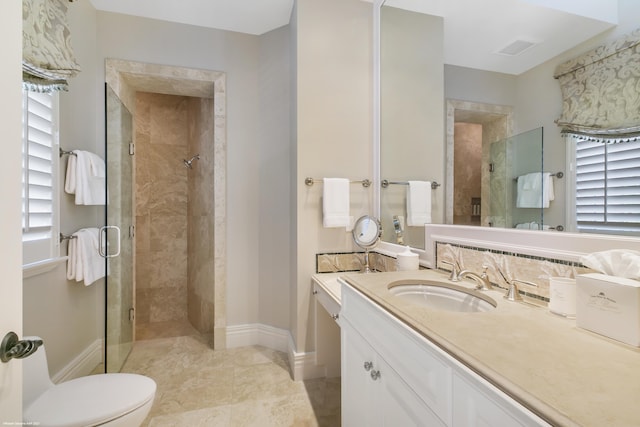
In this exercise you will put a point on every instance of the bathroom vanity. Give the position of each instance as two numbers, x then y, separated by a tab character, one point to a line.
515	365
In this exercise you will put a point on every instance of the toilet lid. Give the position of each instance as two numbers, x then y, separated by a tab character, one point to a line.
90	400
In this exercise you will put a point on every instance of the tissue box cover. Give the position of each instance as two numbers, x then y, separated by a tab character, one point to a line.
610	306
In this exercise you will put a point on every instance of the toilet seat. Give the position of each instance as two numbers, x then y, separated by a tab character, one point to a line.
91	400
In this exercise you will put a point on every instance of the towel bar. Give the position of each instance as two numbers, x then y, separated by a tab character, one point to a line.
557	175
310	181
385	183
63	237
65	153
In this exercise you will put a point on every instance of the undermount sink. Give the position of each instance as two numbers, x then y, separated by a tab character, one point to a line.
442	296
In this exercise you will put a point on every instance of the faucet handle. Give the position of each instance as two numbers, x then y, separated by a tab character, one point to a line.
484	271
455	270
513	294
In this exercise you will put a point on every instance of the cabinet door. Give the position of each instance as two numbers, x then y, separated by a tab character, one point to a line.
481	405
358	394
398	404
375	395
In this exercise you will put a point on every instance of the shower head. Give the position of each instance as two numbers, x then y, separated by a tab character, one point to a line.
188	163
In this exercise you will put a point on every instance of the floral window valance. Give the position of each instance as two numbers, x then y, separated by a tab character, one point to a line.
47	57
601	90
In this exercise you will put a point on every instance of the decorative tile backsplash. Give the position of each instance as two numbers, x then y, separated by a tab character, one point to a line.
353	261
513	265
534	269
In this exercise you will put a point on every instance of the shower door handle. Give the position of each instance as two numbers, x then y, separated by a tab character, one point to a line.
103	241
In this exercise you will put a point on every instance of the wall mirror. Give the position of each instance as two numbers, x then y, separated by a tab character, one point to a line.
411	94
408	148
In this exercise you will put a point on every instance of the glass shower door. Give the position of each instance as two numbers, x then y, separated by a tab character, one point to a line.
510	158
118	233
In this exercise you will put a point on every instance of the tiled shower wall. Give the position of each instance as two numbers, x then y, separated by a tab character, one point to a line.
467	174
200	212
161	207
174	210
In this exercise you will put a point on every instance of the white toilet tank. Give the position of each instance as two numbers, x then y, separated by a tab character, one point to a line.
105	399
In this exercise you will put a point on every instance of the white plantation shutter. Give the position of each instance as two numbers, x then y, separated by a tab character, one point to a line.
39	164
608	186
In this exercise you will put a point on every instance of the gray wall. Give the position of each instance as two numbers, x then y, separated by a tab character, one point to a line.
273	217
70	316
66	314
257	128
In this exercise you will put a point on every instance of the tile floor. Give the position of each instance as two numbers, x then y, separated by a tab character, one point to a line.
248	386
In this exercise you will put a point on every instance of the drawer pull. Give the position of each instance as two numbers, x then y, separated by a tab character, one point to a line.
368	366
375	375
335	316
315	292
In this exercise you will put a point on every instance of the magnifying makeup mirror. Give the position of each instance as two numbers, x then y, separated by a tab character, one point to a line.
366	233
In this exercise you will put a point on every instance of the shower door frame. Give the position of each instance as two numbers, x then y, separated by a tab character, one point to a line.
119	218
127	78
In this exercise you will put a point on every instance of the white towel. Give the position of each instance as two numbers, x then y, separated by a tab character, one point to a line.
86	178
85	263
418	203
335	203
535	190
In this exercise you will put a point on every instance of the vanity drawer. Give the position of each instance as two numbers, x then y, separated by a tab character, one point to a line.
327	301
425	371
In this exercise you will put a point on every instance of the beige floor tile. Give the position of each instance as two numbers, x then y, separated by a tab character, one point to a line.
248	386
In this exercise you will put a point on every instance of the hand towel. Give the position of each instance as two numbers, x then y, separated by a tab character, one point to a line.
418	203
335	203
535	190
85	263
86	178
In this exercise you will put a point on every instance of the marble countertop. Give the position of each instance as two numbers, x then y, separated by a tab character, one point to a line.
566	375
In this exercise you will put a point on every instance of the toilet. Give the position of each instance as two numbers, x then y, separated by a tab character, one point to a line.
114	400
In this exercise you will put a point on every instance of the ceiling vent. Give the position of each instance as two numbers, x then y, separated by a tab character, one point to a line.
516	47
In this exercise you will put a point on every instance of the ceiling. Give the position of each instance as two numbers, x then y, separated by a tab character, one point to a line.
474	31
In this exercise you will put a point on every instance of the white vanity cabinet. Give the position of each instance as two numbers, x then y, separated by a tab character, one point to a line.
373	394
477	403
406	383
393	376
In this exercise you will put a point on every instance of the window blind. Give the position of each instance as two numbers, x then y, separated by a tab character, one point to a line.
38	181
608	186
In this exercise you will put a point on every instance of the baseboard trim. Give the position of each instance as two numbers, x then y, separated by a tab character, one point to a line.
257	334
303	365
82	365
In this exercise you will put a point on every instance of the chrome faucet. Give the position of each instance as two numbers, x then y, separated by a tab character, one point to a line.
483	283
455	270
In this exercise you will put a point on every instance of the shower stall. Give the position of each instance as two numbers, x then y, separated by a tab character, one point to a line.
166	197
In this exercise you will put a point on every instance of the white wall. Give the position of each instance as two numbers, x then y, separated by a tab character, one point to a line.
68	315
468	84
274	179
333	59
10	214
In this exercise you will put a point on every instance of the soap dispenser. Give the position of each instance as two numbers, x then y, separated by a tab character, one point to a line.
407	260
